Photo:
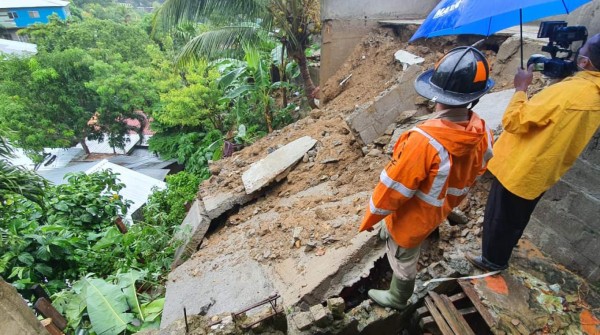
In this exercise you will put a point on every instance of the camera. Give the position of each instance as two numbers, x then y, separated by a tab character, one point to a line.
561	37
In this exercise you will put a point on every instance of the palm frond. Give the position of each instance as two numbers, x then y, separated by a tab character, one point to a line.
223	42
174	12
16	180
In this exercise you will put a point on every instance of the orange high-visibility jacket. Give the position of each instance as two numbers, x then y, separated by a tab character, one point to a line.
432	168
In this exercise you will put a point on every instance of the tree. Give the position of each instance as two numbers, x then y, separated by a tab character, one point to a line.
242	21
15	180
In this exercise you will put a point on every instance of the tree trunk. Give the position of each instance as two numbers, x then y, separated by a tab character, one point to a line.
84	146
309	86
268	118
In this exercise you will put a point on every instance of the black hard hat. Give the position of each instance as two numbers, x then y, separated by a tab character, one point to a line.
460	77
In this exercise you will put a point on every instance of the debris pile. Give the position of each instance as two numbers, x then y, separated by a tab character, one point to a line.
293	230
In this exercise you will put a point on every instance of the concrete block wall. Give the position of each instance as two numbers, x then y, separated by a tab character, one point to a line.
566	222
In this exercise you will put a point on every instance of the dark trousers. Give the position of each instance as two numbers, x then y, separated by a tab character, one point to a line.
506	216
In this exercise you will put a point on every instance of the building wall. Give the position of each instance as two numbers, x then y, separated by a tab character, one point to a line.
566	222
28	16
346	22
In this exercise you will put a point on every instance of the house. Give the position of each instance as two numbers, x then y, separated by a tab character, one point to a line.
18	14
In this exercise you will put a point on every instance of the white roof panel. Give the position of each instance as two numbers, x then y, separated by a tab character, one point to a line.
17	48
32	3
137	186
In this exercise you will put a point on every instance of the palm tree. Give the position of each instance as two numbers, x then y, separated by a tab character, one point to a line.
16	180
242	21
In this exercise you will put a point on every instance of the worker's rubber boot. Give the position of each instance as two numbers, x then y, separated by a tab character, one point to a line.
397	296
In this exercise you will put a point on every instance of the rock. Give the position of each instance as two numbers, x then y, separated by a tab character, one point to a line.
316	113
330	160
374	152
296	233
263	172
456	216
266	254
365	150
321	315
477	231
312	153
344	131
479	220
214	169
310	245
305	158
303	320
515	322
336	306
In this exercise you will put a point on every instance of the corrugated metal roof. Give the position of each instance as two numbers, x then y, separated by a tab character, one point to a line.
158	174
103	147
17	48
32	3
57	175
137	185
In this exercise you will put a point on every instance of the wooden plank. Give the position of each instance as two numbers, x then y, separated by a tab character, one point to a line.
474	297
457	323
457	297
44	307
422	311
439	319
51	327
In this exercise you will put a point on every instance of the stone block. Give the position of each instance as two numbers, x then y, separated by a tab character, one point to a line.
336	306
321	315
263	172
191	232
303	320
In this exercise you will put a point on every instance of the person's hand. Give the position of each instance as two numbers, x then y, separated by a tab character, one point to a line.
523	78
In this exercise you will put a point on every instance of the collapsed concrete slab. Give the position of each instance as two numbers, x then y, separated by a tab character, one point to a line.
268	169
220	203
191	232
225	284
371	120
491	107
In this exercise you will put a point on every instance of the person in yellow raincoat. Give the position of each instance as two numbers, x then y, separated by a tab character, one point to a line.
542	138
432	167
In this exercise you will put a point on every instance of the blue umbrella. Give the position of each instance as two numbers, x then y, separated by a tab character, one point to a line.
485	17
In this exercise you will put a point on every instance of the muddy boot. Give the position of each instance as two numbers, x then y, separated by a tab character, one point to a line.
397	296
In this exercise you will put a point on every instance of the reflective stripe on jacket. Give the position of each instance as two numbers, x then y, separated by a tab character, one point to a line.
432	168
543	136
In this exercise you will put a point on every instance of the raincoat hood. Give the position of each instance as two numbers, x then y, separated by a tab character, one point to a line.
459	140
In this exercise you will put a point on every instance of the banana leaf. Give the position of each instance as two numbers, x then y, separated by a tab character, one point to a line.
107	307
127	285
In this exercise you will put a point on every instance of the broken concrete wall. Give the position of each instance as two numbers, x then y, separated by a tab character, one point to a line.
372	120
15	316
566	222
346	22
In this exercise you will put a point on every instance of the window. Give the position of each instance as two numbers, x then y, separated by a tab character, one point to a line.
34	14
13	15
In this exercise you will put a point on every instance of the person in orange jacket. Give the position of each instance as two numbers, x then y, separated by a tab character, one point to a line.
432	167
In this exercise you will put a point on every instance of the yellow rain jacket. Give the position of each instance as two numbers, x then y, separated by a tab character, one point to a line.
431	171
543	136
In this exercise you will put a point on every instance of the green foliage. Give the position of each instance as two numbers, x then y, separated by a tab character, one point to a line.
15	180
167	207
110	306
52	246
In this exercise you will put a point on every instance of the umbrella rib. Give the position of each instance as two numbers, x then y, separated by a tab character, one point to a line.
565	5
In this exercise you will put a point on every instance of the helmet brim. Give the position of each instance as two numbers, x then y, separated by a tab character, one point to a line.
424	87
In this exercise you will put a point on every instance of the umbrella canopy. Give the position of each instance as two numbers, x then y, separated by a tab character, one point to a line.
485	17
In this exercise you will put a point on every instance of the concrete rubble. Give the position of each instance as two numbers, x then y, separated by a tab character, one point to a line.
283	215
276	165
